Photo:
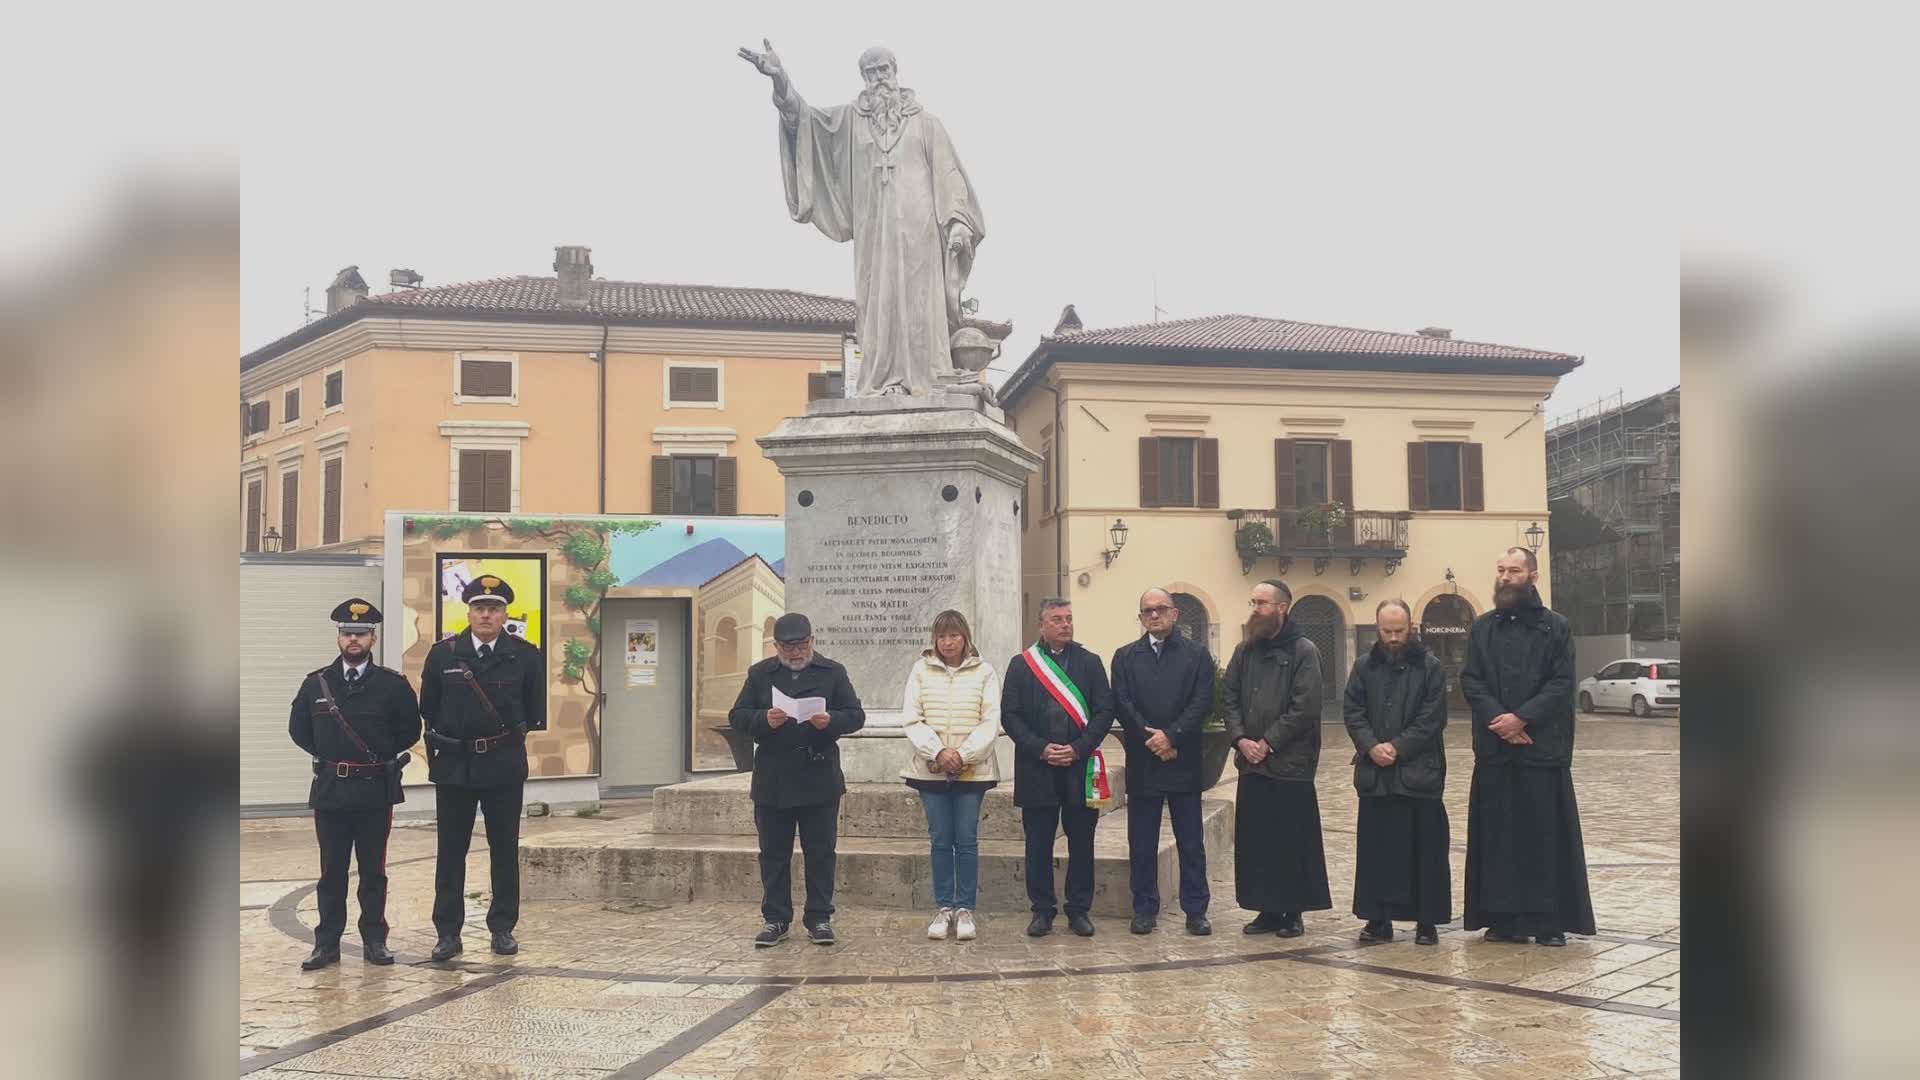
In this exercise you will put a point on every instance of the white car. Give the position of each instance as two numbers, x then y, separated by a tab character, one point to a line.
1640	686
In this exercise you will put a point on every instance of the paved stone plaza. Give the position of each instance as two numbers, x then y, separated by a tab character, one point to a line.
626	989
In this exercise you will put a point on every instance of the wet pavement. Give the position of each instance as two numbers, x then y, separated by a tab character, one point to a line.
621	989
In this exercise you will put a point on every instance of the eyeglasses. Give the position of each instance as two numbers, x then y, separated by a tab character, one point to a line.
794	646
1146	611
1258	604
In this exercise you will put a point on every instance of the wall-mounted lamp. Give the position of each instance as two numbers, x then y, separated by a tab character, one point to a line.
1117	536
271	541
1452	585
1355	593
1535	534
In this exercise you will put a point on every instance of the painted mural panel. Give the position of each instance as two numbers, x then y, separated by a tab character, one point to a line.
730	566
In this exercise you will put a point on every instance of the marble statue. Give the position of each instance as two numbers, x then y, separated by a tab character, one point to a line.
881	172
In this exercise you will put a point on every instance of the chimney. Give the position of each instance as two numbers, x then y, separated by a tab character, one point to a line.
574	265
348	289
1435	332
1069	322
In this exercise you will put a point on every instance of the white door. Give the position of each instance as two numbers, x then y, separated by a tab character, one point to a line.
1606	690
646	721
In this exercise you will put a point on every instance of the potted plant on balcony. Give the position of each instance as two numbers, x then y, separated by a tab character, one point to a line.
1252	540
1215	746
1321	522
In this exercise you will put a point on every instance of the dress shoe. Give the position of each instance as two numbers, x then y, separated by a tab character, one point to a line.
1078	922
323	955
1425	934
1556	940
504	944
447	948
1142	924
1377	930
1198	926
1041	926
1495	934
1264	923
376	952
1292	927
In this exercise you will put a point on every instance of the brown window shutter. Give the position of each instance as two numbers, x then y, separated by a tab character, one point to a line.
330	502
1026	496
706	384
679	383
1342	468
499	489
289	510
473	480
816	385
1283	474
1209	469
1416	476
486	378
255	512
662	484
291	406
726	486
334	395
1473	482
1149	472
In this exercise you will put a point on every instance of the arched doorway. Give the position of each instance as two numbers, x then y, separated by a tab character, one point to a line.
1444	625
1193	618
1320	622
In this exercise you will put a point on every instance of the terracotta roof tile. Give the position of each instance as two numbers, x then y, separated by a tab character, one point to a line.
1253	333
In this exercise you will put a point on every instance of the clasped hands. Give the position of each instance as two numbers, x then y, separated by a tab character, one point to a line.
1511	728
775	718
1161	746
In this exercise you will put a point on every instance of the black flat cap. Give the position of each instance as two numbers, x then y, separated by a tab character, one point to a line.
792	628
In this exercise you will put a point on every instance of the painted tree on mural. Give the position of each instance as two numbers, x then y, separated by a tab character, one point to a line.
587	547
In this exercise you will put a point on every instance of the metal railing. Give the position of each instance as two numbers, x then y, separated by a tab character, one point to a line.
1370	530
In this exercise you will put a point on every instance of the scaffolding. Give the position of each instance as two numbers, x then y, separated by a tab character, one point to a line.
1613	485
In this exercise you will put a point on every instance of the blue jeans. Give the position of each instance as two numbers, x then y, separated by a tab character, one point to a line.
953	827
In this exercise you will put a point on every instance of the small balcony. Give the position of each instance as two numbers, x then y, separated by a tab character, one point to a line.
1323	534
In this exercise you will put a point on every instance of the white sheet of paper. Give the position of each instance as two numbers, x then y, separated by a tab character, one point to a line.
799	709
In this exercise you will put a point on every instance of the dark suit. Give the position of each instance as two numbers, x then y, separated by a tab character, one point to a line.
1053	798
1172	690
514	680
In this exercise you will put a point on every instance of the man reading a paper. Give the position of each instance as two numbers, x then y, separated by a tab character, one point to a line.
796	705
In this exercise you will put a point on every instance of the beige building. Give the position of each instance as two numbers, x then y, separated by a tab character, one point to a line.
1206	454
491	398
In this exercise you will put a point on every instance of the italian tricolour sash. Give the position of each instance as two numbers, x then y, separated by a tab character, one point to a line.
1098	794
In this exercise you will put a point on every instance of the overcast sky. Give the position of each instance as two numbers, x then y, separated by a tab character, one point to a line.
1489	173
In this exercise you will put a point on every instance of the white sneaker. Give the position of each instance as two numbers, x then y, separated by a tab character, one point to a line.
963	925
942	922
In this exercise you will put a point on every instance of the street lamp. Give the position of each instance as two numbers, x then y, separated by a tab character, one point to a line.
1535	534
1117	536
1452	585
271	541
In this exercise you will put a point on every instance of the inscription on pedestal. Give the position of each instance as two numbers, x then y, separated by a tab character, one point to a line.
879	578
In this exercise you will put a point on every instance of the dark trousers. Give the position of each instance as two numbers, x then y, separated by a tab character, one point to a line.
818	827
343	834
1041	824
453	816
1143	851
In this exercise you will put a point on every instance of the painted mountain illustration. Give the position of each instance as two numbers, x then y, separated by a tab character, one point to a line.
780	568
693	566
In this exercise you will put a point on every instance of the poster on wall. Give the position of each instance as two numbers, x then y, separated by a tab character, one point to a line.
524	573
643	652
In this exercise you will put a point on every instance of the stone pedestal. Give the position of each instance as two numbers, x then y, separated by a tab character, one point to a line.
896	509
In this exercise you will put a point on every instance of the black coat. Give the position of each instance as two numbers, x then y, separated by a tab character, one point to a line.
381	709
514	679
796	764
1032	719
1522	663
1272	691
1402	702
1172	691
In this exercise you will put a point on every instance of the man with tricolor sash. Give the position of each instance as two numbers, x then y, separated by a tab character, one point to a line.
1056	707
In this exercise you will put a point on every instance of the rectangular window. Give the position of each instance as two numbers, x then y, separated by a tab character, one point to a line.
697	385
257	417
256	512
289	510
1443	476
486	378
1311	475
693	488
290	406
330	501
1176	472
336	388
486	479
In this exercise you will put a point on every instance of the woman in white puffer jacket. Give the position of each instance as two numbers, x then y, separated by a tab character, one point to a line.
952	715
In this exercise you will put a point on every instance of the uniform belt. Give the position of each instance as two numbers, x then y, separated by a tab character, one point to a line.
348	770
477	746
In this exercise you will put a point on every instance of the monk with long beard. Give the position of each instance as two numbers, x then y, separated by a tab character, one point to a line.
1272	704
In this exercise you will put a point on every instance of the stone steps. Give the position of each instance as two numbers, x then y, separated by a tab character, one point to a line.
623	860
720	806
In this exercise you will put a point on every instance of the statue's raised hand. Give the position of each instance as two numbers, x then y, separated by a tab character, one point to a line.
768	62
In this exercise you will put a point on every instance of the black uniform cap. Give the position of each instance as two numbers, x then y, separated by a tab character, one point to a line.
356	615
488	587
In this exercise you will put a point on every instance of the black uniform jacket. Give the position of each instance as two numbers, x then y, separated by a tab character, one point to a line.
797	764
1173	692
514	679
381	709
1032	719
